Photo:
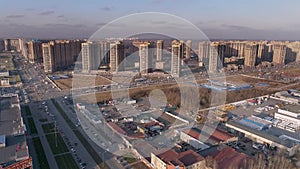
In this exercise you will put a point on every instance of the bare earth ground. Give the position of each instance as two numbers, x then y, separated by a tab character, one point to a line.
82	81
172	92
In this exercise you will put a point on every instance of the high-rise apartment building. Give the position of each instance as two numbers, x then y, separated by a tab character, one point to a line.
117	55
48	58
279	53
94	54
295	48
182	48
104	53
234	48
13	45
260	48
203	53
188	49
145	57
213	58
34	51
63	54
159	50
86	56
216	52
1	45
177	48
267	53
250	55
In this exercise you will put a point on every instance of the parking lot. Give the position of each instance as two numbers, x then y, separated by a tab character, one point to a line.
245	109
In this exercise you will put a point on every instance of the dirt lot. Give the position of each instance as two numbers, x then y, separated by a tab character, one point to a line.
253	81
173	95
82	81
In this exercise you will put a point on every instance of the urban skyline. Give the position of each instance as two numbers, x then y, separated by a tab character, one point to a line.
154	84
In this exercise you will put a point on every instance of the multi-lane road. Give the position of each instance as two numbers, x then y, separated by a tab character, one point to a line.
39	91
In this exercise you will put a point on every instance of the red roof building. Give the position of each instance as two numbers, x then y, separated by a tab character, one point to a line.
228	157
116	128
217	136
170	159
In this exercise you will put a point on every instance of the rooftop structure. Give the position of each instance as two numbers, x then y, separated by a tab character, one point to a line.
217	136
172	159
228	157
263	136
13	146
288	97
288	117
255	122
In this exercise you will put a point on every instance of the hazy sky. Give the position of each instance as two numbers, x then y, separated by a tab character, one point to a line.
229	19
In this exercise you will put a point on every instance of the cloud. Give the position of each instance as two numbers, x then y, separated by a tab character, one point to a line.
46	13
15	16
106	8
61	16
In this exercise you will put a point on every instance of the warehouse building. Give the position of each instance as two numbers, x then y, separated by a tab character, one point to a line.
288	117
264	137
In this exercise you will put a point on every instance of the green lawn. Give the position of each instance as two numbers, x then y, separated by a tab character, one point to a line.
48	128
66	161
82	139
27	111
31	125
42	160
58	148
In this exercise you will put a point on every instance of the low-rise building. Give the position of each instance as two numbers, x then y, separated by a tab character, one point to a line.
263	137
226	157
4	82
178	160
4	73
288	97
202	139
255	123
289	117
13	146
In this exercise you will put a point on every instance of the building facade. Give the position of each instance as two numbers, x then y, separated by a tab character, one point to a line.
48	58
279	53
171	159
176	56
159	50
117	55
188	49
145	55
34	50
250	55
